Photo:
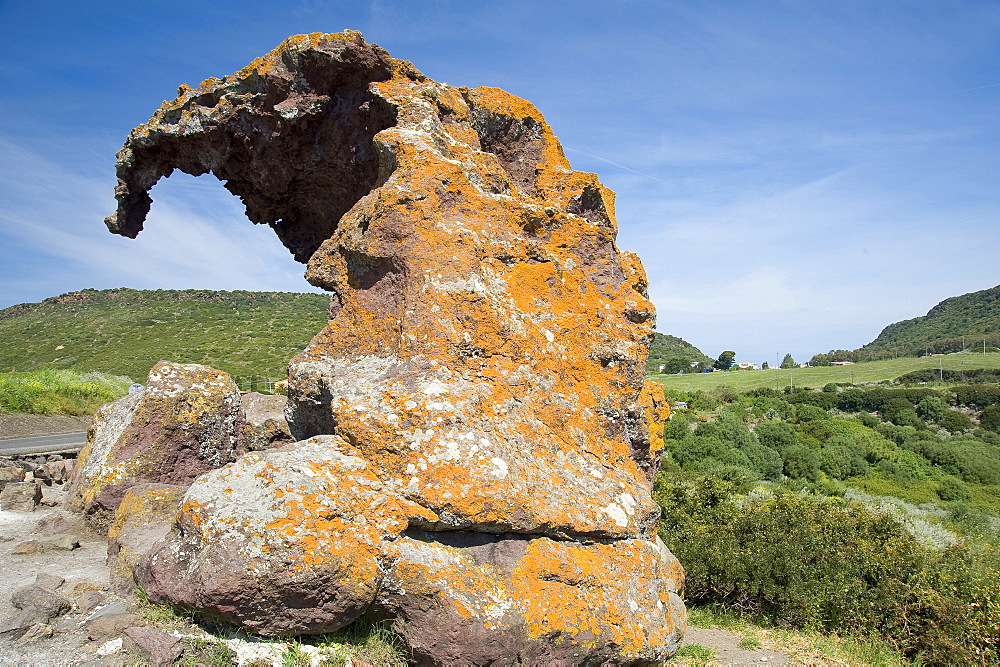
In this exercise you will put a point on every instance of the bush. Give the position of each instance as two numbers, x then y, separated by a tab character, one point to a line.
801	462
776	435
823	563
990	419
956	422
950	488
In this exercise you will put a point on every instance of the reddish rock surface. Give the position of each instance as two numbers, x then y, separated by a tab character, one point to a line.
185	422
477	441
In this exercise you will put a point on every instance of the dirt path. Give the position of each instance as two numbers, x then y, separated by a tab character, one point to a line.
726	646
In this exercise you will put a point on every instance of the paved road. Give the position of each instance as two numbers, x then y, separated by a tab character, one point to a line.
43	443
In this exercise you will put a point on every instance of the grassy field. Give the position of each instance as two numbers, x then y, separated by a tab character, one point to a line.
250	335
865	371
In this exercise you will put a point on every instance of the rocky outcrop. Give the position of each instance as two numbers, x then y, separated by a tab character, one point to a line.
476	442
264	421
185	422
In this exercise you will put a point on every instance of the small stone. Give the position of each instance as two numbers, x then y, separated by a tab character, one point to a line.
10	474
50	581
107	626
34	595
54	523
156	646
65	625
20	497
20	621
61	542
115	608
109	647
29	547
35	633
52	496
77	587
90	601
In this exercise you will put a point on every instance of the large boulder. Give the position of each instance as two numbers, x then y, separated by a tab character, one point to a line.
474	418
185	422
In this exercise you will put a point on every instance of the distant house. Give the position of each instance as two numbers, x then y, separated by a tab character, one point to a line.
843	363
748	366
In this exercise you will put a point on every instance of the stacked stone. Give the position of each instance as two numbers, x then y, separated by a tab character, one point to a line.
475	442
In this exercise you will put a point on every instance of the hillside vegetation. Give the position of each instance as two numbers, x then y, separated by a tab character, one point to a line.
967	322
124	332
673	354
953	367
868	511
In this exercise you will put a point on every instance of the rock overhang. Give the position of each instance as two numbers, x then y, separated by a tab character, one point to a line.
482	369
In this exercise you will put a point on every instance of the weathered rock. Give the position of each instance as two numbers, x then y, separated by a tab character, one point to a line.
77	587
10	474
49	580
481	375
89	601
144	517
52	494
18	623
28	548
54	472
108	626
476	599
153	647
55	523
265	421
36	633
64	542
34	595
185	422
297	529
20	497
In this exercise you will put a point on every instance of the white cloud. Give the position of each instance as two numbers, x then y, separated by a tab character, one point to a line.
196	235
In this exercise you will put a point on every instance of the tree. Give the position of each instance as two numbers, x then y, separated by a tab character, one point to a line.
788	362
725	360
764	366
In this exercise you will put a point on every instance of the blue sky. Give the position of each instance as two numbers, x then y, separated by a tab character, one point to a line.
794	175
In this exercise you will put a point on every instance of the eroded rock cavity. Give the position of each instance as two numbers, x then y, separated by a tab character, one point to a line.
476	442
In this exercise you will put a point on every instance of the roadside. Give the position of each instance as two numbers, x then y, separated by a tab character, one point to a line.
22	425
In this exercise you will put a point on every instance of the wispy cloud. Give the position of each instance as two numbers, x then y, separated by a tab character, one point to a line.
196	235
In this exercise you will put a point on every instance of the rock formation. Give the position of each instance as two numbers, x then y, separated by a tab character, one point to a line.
476	442
186	421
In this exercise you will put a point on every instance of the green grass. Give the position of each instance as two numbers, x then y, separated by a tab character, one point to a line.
815	377
59	392
126	331
807	647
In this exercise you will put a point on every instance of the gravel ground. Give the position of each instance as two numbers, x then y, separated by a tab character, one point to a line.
85	564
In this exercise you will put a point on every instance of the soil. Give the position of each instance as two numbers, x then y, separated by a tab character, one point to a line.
726	646
20	425
86	563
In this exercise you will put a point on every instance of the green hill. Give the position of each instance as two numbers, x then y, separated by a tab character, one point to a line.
126	331
974	316
674	354
966	322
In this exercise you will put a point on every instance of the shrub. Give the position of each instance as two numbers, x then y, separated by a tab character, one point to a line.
950	488
955	421
823	563
990	419
776	435
801	462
